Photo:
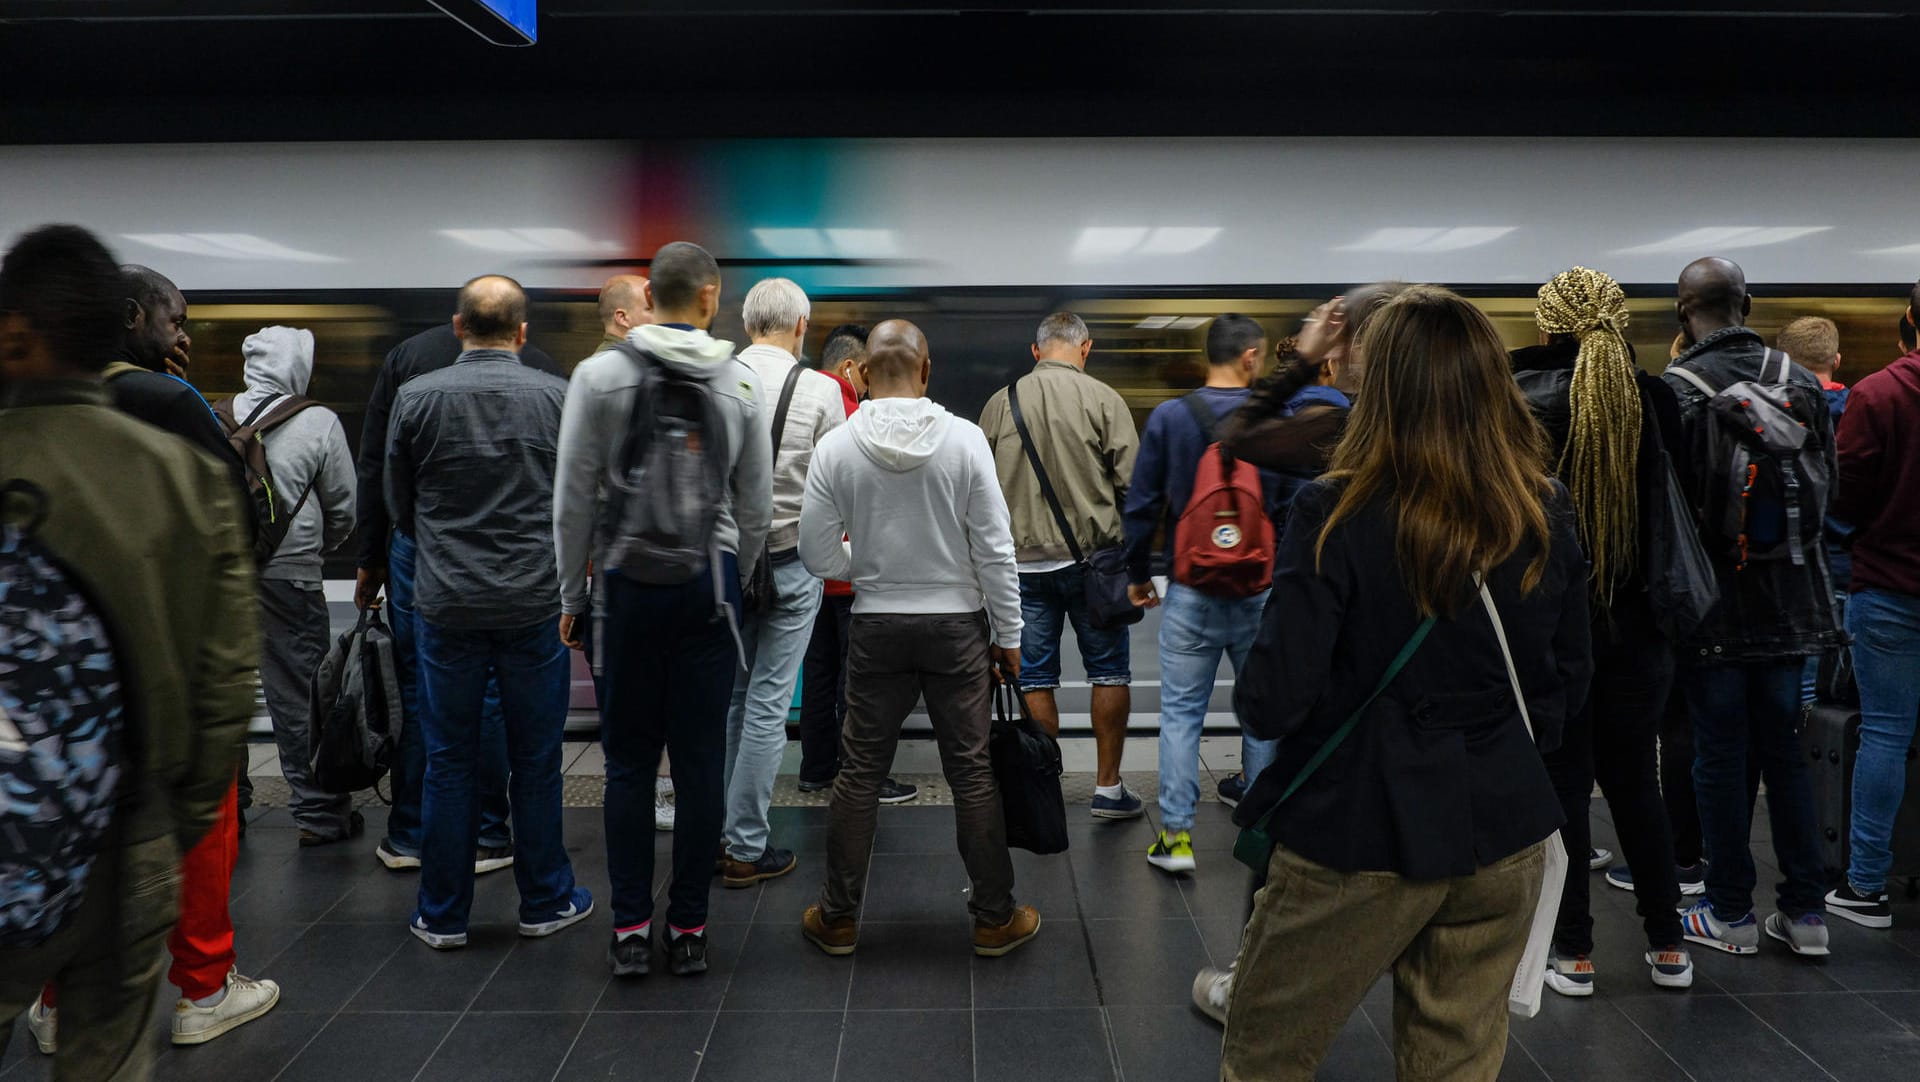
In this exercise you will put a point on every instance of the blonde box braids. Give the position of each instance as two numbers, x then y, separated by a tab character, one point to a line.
1602	456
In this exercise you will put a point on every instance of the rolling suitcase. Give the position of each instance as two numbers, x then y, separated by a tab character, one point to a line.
1831	739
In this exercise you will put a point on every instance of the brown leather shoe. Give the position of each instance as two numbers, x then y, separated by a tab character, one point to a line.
992	942
837	938
773	863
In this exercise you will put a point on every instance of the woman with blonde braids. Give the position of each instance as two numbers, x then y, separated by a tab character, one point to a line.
1604	418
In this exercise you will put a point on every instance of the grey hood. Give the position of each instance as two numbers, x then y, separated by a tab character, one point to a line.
900	434
694	354
279	360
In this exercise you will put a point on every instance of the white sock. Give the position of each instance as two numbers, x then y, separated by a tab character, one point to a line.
642	930
213	1000
663	786
1112	792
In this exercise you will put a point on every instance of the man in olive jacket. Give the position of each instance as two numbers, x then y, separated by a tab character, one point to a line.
151	527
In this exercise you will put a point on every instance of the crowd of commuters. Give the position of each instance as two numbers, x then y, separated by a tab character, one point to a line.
1441	575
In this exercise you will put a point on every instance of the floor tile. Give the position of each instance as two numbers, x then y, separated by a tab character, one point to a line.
258	1049
1865	960
330	963
1117	882
638	1048
660	990
1053	969
1581	1039
780	970
370	1048
1358	1053
1141	962
1166	1045
913	967
503	1046
1715	1038
1902	1007
906	1046
419	978
1842	1033
792	1046
561	972
1058	1044
916	887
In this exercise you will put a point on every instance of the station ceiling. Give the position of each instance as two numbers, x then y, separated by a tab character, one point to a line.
218	70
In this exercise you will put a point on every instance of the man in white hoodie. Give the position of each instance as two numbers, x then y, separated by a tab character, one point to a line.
667	650
313	477
936	613
805	406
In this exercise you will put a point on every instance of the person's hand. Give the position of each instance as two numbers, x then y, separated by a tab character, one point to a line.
1143	595
367	584
570	632
1323	328
1006	664
176	362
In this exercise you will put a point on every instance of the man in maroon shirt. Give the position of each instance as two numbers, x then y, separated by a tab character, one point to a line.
1879	491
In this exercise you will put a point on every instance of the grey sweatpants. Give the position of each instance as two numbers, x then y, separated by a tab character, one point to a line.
892	661
294	635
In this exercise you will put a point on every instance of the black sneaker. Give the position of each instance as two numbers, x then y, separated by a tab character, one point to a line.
687	954
894	792
1233	789
815	786
631	956
356	826
1867	911
773	863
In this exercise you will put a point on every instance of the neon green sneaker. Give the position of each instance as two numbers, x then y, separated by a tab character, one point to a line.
1172	852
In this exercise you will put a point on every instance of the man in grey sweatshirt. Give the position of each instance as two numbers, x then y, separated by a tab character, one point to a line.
313	478
667	652
936	614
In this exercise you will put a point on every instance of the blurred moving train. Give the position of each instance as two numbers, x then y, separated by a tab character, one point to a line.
364	243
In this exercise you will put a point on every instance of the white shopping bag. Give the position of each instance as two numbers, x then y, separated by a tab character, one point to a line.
1529	979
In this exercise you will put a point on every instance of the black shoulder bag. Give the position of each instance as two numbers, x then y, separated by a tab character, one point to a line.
758	595
1108	606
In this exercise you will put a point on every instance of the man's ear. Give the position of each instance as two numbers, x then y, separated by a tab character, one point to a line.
1086	350
459	329
132	314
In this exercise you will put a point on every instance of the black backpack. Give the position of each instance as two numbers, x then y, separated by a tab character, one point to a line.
1766	477
669	479
356	709
63	740
270	524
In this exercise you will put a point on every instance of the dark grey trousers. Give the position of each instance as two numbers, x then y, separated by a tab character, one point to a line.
892	661
294	636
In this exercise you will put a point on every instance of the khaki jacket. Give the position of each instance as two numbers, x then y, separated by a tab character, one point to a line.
1086	440
152	529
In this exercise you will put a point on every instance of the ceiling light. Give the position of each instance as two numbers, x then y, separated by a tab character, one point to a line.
1723	237
229	246
1902	250
1427	238
1178	239
1107	241
1187	323
531	240
864	243
1153	323
792	243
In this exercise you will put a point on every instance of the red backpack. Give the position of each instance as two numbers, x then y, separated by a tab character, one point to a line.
1223	543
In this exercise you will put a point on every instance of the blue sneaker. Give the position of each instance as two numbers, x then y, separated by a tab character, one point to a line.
440	941
1124	806
1232	790
1738	937
577	909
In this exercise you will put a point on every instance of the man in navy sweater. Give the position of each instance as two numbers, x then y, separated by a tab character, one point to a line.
1196	628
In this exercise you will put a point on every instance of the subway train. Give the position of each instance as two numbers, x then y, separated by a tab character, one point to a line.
975	240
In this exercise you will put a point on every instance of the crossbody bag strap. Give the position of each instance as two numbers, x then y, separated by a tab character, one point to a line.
1694	378
1346	728
780	412
1506	652
1040	472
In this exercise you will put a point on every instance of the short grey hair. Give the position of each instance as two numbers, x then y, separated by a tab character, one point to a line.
1061	327
774	305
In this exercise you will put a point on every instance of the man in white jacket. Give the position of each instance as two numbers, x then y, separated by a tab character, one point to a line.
936	613
313	478
803	407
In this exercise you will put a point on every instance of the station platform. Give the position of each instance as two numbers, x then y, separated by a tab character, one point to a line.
1101	994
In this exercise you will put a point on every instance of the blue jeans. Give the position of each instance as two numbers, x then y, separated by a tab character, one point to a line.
669	665
1886	661
1840	564
1195	630
534	674
410	765
1050	599
775	643
1753	710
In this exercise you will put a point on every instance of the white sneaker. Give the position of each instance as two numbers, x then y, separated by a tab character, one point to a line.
1212	988
246	1000
43	1022
663	803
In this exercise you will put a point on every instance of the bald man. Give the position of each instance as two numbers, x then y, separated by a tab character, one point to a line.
470	477
1741	668
623	306
936	613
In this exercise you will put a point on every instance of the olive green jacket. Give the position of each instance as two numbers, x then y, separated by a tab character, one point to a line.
150	527
1087	442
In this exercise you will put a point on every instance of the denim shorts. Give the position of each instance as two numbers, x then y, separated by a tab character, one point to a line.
1047	598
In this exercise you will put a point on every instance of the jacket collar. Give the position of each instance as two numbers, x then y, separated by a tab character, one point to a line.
1719	340
487	355
1038	365
1553	355
75	392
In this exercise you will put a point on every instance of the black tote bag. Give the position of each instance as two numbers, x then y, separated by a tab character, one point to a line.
1680	581
1026	767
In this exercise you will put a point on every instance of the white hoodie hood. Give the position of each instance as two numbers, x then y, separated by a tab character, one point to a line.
695	354
278	360
900	434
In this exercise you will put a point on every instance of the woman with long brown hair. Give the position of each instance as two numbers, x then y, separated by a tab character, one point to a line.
1409	804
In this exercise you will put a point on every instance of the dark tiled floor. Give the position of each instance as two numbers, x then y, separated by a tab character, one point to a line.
1100	995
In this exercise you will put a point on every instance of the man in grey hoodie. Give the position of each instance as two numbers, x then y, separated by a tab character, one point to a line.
312	467
936	614
667	653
